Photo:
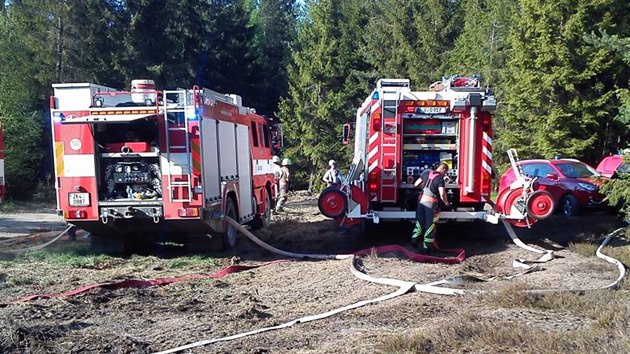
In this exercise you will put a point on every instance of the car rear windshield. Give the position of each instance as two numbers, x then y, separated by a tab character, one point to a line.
576	170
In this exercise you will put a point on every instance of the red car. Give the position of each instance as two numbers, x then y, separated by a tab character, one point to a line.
573	184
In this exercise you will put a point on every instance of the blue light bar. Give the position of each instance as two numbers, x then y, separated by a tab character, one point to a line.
375	95
191	114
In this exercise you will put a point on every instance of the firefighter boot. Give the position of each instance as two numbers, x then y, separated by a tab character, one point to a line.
415	236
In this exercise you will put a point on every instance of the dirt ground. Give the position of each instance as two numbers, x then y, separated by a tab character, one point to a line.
150	319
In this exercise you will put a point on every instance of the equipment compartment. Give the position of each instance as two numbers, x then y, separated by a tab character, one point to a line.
129	164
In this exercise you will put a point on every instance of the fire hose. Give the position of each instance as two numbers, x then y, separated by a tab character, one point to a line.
404	287
37	247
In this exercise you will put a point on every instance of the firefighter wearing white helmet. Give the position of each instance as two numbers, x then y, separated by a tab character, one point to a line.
331	177
275	166
285	177
276	170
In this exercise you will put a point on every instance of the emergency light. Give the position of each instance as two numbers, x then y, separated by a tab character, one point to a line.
376	121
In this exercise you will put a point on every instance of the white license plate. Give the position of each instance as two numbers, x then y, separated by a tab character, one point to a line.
79	199
433	110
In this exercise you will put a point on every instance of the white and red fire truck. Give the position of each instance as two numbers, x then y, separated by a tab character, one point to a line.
2	190
160	163
400	132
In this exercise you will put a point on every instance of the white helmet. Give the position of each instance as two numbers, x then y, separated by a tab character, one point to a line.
287	162
275	159
331	162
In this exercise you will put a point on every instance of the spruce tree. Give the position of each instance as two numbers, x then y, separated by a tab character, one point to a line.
275	25
411	39
481	47
20	116
558	89
326	84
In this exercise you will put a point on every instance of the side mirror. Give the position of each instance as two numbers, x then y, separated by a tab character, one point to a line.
346	133
552	176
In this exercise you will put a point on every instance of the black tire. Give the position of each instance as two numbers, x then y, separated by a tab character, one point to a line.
264	220
230	234
569	205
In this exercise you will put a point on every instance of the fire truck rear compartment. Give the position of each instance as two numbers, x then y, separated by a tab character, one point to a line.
128	165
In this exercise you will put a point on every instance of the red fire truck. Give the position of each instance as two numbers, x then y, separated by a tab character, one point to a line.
400	132
160	163
2	191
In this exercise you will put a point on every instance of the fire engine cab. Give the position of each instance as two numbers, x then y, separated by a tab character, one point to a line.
399	133
158	163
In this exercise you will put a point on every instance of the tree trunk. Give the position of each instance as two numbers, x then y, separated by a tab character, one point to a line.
59	63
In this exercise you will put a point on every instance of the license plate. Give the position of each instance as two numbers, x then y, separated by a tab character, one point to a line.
79	199
432	110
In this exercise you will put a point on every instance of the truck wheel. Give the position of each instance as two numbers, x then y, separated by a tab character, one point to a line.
265	219
229	237
569	205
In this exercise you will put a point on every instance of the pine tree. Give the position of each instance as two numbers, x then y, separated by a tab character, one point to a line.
411	39
481	47
19	115
275	24
618	190
558	89
325	85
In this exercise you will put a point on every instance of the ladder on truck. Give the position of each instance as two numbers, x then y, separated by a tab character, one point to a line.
178	111
390	145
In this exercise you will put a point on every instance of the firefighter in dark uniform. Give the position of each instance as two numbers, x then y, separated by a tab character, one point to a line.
427	209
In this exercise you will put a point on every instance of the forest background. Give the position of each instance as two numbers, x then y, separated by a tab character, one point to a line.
560	70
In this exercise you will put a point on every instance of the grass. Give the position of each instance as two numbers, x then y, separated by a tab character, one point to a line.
17	206
585	322
189	261
71	256
473	333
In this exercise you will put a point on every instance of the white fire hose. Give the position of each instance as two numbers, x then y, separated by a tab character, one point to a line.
404	287
38	247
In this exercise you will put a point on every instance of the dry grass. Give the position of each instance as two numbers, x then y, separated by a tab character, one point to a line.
475	334
619	249
513	320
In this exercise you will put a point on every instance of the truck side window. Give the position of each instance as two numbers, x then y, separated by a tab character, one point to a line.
265	133
254	134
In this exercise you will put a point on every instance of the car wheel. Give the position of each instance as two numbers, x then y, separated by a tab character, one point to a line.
569	205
